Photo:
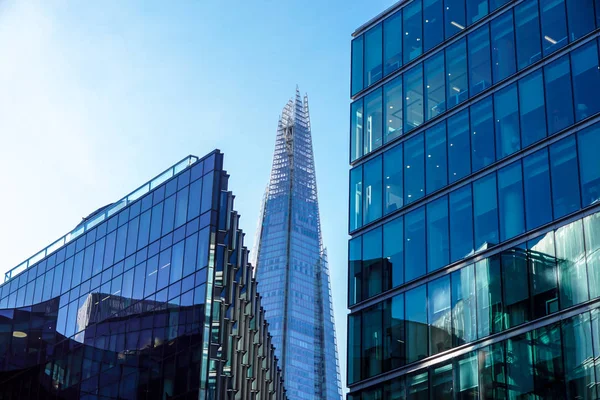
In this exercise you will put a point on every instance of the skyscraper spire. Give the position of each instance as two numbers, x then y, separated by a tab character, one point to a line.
291	263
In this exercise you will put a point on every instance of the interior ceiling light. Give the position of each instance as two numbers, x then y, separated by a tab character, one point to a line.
19	334
456	24
548	38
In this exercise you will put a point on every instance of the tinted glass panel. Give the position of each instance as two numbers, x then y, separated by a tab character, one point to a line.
372	346
393	250
564	170
437	232
577	353
548	364
441	382
527	23
414	244
591	226
357	64
467	376
542	272
588	141
459	146
485	209
586	80
531	108
414	169
510	196
356	198
393	109
393	322
435	88
355	270
435	162
454	16
373	121
457	89
571	265
461	223
413	36
581	18
356	129
554	25
373	190
503	43
480	63
372	263
536	172
392	171
559	106
416	324
506	113
440	329
493	372
373	55
482	134
392	43
519	367
413	98
515	287
464	311
489	297
476	9
433	23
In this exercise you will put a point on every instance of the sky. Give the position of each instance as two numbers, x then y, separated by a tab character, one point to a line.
98	97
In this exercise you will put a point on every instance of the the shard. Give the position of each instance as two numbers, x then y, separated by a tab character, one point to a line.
291	264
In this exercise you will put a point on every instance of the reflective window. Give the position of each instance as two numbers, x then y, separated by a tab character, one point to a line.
564	172
538	207
414	169
531	108
413	35
417	386
489	297
356	129
373	121
373	55
457	89
581	18
591	225
416	324
586	80
413	98
435	161
464	311
459	146
559	104
355	270
435	88
393	323
495	4
392	43
510	199
480	63
467	376
588	141
493	372
414	244
519	367
354	353
433	23
476	9
527	24
392	93
441	381
516	287
437	232
554	25
392	171
440	329
485	210
506	113
357	65
542	272
461	223
454	16
577	353
356	198
482	134
503	47
372	263
372	346
373	190
571	265
393	250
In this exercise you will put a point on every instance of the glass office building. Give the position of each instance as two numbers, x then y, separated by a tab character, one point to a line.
474	212
150	297
292	264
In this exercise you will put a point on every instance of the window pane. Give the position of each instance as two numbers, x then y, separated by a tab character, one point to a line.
542	269
461	223
416	324
586	80
515	288
489	297
480	63
373	55
392	170
392	43
565	188
538	206
581	18
527	22
459	146
441	382
417	386
466	369
393	250
476	9
373	121
531	108
357	65
373	190
510	195
372	346
493	374
433	20
435	88
548	366
414	245
503	43
571	265
437	232
435	162
506	113
577	353
392	93
440	329
559	106
354	342
393	324
356	198
482	137
457	89
413	98
355	270
414	169
356	129
495	4
519	367
372	263
412	25
485	212
591	225
464	311
554	25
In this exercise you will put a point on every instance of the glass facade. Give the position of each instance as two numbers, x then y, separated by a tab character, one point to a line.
477	276
133	301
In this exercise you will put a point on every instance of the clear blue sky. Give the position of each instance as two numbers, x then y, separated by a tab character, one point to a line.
98	97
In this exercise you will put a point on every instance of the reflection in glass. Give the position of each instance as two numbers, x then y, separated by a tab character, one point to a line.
571	265
485	211
413	97
416	324
372	346
355	270
459	146
393	181
578	353
506	113
435	161
393	322
588	142
373	121
510	198
457	89
559	104
482	134
531	108
357	65
536	173
417	386
586	80
554	25
435	87
437	234
356	198
467	376
591	225
480	63
519	367
515	288
503	45
433	20
464	321
542	272
392	93
356	129
439	314
527	23
372	263
373	55
412	24
489	297
392	43
414	244
414	169
563	171
393	250
549	373
373	190
461	223
441	381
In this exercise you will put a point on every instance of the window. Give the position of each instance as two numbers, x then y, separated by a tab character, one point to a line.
180	208
414	244
480	63
413	97
531	108
392	93
554	25
506	113
476	9
485	209
464	322
356	198
435	161
373	121
493	372
357	65
356	129
414	169
503	47
441	381
461	223
433	20
482	134
372	346
519	367
559	106
459	146
542	272
489	297
588	141
440	329
372	263
516	288
393	250
581	18
354	344
437	232
416	324
591	226
510	197
392	43
495	4
538	206
373	190
577	353
527	23
564	172
457	89
373	55
586	80
392	171
355	270
393	323
417	386
571	265
454	17
466	368
435	88
168	218
413	35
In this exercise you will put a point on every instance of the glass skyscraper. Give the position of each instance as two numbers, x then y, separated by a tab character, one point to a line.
150	297
474	262
291	264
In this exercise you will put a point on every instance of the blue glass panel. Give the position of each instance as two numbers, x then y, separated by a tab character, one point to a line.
372	263
464	311
357	65
495	4
372	206
393	249
413	98
554	25
510	199
144	229
373	55
132	234
155	222
542	272
355	270
414	244
538	206
413	31
435	162
194	200
392	97
177	262
439	318
168	215
572	271
531	108
139	281
372	345
416	324
457	88
588	141
559	104
459	146
356	198
564	172
392	171
591	226
485	210
414	169
586	80
120	243
438	255
506	114
356	129
489	297
578	352
189	259
482	134
480	62
392	43
433	23
503	45
461	223
373	121
152	273
435	88
581	18
476	9
454	16
527	24
207	193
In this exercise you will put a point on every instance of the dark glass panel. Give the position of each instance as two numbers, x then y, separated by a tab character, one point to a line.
417	386
495	4
527	23
392	43
413	97
564	172
393	325
482	134
441	382
457	88
414	244
515	286
559	103
554	25
490	309
464	310
586	79
485	211
354	342
506	114
519	367
459	146
392	96
572	271
581	18
435	162
437	232
416	324
155	224
480	62
542	271
373	55
461	223
392	171
466	370
588	142
355	270
577	353
394	389
433	23
591	226
476	9
510	201
181	206
373	121
435	88
373	190
439	314
454	17
357	64
538	199
503	47
549	374
393	250
413	31
414	169
531	108
168	216
356	198
492	380
372	346
356	129
372	262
